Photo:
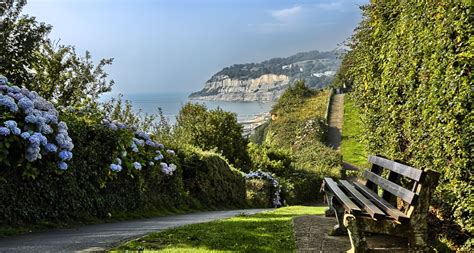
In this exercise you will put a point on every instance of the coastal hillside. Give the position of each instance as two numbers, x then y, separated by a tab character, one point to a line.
267	80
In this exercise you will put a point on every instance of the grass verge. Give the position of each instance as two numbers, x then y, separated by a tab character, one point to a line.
352	148
265	232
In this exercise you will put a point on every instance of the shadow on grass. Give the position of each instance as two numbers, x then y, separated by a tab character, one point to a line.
266	232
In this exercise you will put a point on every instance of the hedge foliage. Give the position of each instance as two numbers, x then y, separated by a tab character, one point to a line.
291	146
411	65
89	188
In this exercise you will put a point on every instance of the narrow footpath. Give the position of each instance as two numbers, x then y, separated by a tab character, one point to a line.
336	115
98	238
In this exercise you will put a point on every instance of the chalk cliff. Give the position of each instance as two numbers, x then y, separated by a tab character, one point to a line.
267	80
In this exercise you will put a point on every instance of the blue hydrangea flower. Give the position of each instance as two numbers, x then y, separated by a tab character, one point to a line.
13	89
25	135
159	157
9	103
62	165
115	167
31	119
16	131
35	139
38	138
26	104
16	96
137	165
134	147
171	152
11	124
53	119
139	142
65	155
4	131
62	126
168	170
64	141
32	152
161	146
151	163
113	127
143	135
46	129
121	125
51	148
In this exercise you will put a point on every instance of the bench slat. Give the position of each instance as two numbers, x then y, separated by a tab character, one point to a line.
399	168
393	188
341	196
384	205
368	206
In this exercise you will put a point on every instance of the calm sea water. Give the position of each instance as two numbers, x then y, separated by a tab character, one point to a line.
171	103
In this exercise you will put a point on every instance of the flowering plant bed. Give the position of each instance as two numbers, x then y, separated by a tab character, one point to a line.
31	131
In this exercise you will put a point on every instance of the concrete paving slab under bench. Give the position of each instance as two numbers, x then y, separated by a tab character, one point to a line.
311	233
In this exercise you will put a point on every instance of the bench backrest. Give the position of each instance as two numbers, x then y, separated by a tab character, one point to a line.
386	178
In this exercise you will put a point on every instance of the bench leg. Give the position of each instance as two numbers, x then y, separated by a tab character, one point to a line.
330	211
357	237
339	229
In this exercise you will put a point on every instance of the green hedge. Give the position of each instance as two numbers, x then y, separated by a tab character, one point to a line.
89	189
411	66
210	180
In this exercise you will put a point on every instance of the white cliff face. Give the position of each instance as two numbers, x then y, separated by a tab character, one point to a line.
265	88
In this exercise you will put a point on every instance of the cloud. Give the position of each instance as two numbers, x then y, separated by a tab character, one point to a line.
286	13
330	6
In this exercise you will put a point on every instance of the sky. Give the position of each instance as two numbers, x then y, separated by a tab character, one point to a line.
177	45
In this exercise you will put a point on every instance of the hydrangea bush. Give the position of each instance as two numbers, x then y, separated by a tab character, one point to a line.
31	123
141	150
276	201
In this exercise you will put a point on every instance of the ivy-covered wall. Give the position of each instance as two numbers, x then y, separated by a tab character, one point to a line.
411	65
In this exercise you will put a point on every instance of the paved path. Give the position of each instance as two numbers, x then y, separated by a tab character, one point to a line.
336	115
102	236
311	233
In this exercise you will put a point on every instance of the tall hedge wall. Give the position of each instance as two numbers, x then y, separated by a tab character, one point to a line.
411	64
90	189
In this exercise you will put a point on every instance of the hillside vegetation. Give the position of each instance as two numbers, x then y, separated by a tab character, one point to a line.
292	145
411	70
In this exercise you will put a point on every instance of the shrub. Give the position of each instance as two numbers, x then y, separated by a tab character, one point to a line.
210	180
259	192
213	129
31	124
293	97
412	72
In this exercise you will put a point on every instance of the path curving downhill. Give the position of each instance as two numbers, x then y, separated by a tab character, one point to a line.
336	115
98	238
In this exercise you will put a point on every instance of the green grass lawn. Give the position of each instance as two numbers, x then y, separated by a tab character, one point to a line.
265	232
352	148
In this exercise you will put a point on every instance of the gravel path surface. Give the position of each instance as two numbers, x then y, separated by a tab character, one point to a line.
97	238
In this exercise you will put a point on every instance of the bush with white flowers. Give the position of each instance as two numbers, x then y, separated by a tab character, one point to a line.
267	176
138	150
29	119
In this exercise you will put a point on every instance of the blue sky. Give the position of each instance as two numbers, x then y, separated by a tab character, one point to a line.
176	45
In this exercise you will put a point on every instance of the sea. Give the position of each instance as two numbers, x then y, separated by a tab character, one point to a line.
171	103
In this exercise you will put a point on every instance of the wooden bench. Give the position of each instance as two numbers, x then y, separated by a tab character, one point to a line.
392	199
